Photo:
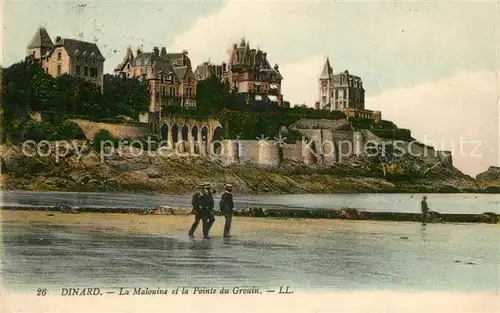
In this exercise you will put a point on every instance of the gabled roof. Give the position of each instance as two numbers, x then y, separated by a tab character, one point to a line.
327	71
164	66
129	57
41	40
244	58
180	71
80	48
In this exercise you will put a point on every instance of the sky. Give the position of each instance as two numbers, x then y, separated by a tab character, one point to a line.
429	66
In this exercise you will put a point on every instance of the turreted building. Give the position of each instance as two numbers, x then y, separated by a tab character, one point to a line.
249	74
67	56
343	91
170	77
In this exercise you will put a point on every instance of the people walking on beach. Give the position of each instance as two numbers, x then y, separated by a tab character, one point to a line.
207	207
425	210
196	210
226	207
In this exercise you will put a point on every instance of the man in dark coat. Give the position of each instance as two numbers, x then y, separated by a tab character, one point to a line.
207	207
226	207
425	210
196	210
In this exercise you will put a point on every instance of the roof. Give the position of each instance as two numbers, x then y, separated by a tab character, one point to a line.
144	59
164	66
207	69
80	48
173	56
327	71
180	71
41	40
129	57
244	57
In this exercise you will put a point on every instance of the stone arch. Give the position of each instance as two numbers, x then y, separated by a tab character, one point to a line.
175	135
185	137
194	139
204	139
217	136
164	132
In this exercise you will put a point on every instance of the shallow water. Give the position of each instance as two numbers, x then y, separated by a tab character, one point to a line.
443	203
339	256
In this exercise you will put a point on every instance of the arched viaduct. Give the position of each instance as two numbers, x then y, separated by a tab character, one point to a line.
189	135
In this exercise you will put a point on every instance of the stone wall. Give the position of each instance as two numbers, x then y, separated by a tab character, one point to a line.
120	131
248	151
293	152
268	153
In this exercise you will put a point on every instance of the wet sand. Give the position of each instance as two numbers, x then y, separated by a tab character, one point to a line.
122	249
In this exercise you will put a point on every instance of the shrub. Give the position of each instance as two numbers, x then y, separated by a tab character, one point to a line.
101	137
36	131
68	131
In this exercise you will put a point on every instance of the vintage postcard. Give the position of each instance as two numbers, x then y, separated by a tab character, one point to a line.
250	156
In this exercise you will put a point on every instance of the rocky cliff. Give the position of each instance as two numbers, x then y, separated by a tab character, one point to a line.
133	170
490	180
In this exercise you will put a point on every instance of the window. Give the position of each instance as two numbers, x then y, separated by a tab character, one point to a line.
59	56
78	70
59	69
33	54
86	59
128	66
257	89
93	60
78	58
93	72
85	71
46	70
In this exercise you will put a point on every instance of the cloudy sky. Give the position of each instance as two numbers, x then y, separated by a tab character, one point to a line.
429	66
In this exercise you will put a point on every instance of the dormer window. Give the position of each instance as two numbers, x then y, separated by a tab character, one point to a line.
59	56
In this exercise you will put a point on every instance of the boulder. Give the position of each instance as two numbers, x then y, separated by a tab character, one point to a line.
434	216
66	208
488	217
168	210
348	214
154	174
90	160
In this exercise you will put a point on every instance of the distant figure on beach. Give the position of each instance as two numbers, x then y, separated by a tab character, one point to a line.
425	210
196	210
226	207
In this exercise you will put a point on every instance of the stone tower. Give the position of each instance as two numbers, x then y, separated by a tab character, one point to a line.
40	44
325	86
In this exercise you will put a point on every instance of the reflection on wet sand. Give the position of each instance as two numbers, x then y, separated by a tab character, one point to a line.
109	250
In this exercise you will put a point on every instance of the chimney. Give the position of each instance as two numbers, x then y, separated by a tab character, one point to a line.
163	52
276	67
264	54
58	38
234	46
138	52
156	51
185	52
